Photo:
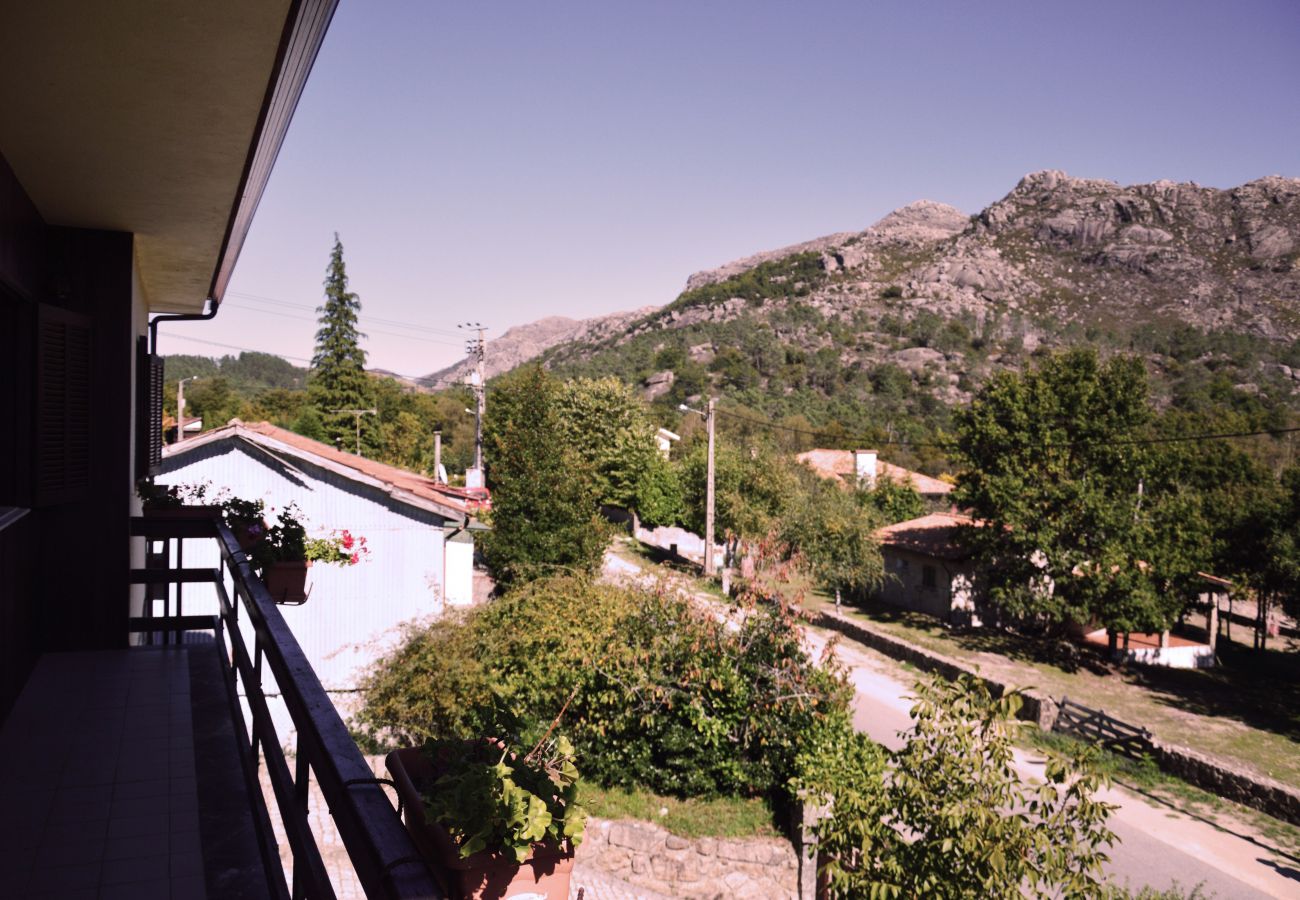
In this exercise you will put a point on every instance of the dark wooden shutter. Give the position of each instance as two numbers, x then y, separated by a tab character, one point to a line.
63	389
148	411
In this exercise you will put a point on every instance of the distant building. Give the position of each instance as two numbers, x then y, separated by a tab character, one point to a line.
854	468
927	569
664	440
420	534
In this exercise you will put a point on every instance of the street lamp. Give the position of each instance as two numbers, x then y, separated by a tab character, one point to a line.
708	502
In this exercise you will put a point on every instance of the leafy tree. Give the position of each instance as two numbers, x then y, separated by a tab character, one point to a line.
544	494
835	536
338	377
752	488
605	423
658	496
1072	526
894	501
948	816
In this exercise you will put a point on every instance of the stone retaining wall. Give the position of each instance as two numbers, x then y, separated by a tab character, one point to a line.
1221	779
1214	775
646	855
1038	708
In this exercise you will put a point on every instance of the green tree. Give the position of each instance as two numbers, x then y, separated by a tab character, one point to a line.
544	494
752	487
605	423
894	501
1072	524
835	535
338	377
948	815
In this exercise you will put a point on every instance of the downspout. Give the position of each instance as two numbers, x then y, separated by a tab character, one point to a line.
213	306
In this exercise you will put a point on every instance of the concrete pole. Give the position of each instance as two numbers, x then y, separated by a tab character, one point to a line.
437	455
180	410
480	409
708	511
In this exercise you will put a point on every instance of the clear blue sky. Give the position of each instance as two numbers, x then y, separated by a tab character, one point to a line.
507	161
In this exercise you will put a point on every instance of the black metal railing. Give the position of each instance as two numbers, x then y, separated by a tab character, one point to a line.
385	859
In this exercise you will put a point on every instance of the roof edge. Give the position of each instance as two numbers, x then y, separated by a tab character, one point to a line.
300	42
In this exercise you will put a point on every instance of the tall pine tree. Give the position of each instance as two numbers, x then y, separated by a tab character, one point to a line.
338	379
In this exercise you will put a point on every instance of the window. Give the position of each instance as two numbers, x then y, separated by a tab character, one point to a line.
927	577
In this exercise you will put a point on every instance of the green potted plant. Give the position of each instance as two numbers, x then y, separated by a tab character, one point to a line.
493	821
246	518
175	501
285	552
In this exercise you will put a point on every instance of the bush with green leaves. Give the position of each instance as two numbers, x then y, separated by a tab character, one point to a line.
664	696
948	816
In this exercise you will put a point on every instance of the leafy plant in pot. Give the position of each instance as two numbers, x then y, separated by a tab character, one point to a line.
285	552
175	501
492	820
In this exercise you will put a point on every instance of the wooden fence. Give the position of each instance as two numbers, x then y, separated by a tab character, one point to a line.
1095	726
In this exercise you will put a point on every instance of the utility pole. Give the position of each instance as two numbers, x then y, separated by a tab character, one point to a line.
357	414
437	457
477	351
708	509
180	407
708	495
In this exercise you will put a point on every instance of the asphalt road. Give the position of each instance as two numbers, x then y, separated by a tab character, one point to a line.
1158	847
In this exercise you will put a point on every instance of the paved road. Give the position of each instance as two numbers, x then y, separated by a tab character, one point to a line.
1158	847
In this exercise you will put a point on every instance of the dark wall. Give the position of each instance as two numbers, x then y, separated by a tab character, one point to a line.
64	567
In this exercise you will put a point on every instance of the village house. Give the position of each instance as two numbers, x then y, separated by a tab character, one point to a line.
864	468
420	535
927	569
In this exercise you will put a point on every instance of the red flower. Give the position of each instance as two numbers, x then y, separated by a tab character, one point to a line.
348	541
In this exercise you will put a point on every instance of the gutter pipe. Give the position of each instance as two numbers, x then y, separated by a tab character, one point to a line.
213	306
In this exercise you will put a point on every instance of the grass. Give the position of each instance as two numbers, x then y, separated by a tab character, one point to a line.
725	817
1247	709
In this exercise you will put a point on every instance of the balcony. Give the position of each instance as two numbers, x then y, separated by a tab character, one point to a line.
138	773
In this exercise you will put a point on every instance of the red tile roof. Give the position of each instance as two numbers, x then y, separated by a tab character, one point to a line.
399	481
934	535
839	465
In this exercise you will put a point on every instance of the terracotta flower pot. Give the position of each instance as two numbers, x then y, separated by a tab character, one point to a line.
486	875
287	581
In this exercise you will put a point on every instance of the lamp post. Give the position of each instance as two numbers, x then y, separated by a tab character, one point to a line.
180	407
708	494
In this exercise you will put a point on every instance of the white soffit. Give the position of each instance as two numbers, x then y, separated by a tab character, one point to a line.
139	116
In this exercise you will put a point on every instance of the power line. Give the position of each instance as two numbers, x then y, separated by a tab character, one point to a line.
395	323
950	444
417	379
369	330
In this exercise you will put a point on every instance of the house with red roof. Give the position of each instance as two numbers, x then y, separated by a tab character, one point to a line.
854	468
420	534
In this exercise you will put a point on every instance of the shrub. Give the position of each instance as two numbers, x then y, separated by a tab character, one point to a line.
661	694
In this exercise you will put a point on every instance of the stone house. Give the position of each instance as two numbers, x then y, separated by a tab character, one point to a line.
928	570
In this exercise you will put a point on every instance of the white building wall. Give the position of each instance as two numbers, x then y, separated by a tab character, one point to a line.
353	612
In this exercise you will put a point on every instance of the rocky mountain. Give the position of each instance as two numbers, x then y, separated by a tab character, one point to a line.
522	343
1182	273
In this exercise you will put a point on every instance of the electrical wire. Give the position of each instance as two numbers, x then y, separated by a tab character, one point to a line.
950	444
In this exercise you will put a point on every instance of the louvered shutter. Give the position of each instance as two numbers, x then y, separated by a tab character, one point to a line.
63	427
149	407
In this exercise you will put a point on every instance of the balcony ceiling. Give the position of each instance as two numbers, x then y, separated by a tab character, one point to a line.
141	116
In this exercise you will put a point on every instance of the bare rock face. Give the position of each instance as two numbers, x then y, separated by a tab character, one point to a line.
523	343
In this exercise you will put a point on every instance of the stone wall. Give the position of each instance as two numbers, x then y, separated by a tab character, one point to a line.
1222	779
1038	708
648	856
